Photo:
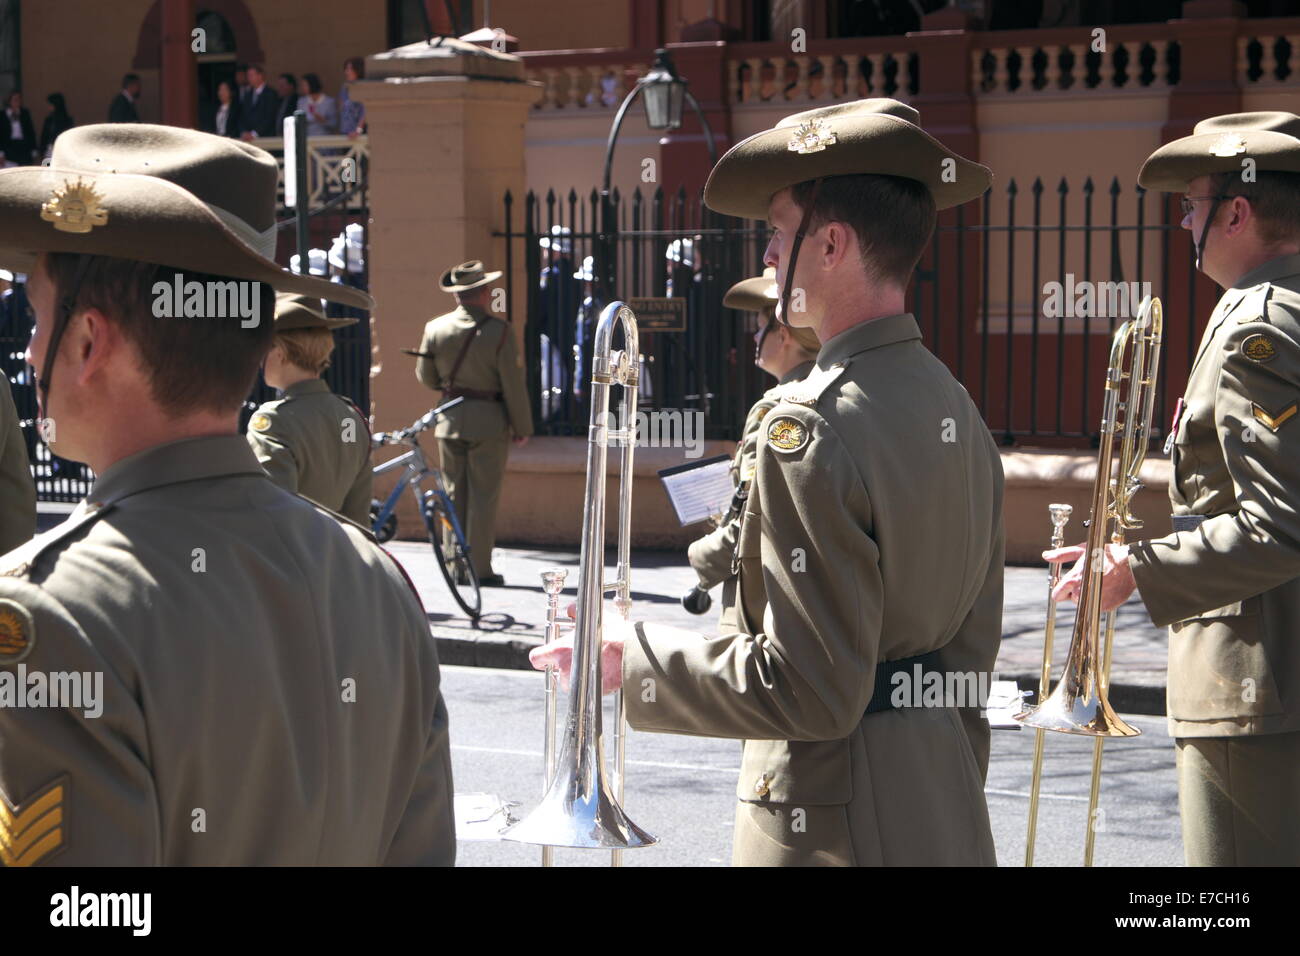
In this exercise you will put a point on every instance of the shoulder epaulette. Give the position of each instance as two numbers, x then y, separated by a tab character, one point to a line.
807	390
18	562
1253	306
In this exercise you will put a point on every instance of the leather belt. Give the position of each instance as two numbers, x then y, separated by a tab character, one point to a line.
1187	522
882	696
472	393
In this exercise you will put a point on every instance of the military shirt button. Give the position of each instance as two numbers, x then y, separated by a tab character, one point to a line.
761	787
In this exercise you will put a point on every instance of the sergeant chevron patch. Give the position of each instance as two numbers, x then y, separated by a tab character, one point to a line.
1272	422
34	830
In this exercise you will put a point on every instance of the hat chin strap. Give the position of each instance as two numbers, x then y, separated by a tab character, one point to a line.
763	333
783	310
1205	231
67	303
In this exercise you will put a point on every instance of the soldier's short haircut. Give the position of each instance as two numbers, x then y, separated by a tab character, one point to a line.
307	349
1274	198
893	218
194	364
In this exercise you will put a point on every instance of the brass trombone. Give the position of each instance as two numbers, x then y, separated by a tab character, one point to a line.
1078	705
580	808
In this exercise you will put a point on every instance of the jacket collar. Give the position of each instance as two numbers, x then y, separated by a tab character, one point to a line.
308	386
800	371
872	334
1270	271
190	459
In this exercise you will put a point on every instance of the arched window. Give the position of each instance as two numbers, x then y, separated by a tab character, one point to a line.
220	38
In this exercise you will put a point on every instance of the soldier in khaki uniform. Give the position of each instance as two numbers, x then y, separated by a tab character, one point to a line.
311	441
1227	580
17	490
249	679
786	353
872	542
471	354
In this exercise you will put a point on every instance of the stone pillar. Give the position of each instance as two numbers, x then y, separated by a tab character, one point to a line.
446	131
1207	37
946	101
178	79
684	154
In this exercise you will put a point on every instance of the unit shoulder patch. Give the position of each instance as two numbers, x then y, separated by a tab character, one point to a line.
31	831
1273	421
807	390
17	632
786	434
1259	348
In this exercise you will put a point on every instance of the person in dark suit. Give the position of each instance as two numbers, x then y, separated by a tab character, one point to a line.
286	87
260	107
17	136
122	109
58	121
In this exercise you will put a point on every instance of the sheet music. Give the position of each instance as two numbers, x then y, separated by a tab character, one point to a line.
699	490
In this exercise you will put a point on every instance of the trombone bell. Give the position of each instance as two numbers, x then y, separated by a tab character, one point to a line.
579	811
1072	711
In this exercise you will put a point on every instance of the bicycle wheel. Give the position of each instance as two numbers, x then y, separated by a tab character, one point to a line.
455	565
389	528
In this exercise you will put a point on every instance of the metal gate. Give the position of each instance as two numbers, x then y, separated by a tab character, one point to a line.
663	247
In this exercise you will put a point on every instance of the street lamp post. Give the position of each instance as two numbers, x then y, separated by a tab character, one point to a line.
664	92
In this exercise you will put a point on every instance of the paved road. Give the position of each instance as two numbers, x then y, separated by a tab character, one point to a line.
682	788
660	578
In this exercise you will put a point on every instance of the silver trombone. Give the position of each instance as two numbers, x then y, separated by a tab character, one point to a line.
581	808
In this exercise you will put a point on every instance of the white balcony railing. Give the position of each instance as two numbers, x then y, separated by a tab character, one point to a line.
335	164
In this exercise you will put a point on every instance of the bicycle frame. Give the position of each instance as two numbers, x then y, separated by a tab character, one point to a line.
416	471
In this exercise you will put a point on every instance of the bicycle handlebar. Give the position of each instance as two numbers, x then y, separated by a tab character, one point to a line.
419	425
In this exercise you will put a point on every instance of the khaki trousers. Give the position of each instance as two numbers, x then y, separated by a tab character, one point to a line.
1240	799
473	472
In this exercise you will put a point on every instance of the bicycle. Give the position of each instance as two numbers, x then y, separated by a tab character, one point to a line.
435	507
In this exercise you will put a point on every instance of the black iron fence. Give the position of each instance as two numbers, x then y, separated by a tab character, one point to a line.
664	247
1018	294
349	371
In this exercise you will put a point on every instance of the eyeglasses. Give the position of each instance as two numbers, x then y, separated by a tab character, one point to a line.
1186	202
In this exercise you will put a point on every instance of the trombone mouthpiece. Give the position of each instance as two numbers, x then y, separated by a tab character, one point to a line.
1060	514
553	580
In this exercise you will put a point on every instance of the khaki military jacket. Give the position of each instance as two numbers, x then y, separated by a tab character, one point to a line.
491	365
873	533
711	555
270	690
1230	588
316	444
17	490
